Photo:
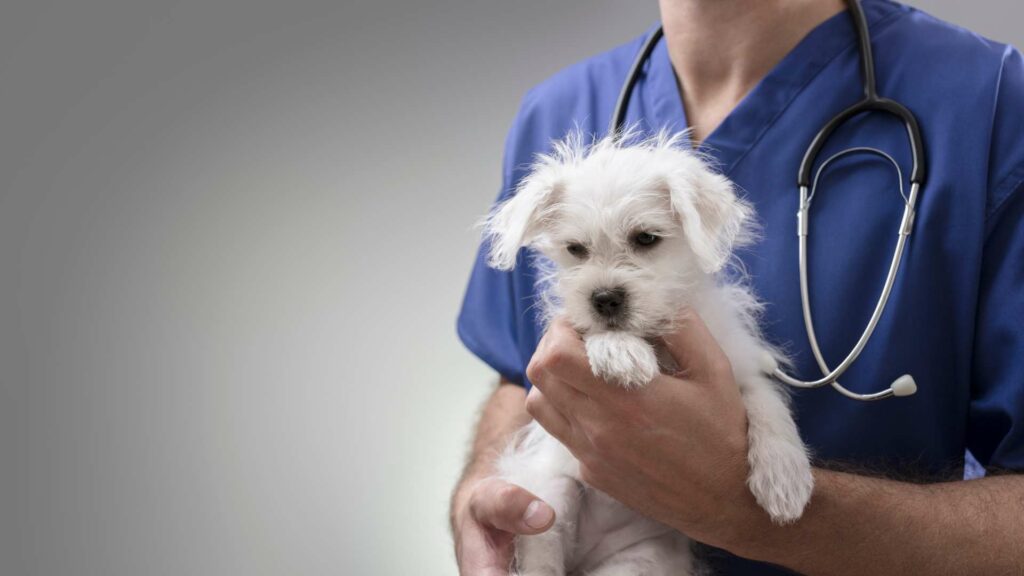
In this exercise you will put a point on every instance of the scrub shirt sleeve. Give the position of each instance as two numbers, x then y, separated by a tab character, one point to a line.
995	432
499	321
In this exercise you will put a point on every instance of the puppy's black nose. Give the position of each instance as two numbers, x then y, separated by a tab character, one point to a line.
608	302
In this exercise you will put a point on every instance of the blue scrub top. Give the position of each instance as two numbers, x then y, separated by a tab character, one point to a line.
955	320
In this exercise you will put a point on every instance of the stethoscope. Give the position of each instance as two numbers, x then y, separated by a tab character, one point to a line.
904	385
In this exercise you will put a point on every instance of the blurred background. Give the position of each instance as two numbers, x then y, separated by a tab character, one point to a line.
234	236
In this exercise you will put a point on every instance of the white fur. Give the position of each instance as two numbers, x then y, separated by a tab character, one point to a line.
600	197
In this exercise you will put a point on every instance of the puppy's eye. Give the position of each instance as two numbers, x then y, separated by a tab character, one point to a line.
576	249
645	240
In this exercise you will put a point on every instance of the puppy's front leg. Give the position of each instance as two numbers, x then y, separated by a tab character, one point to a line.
780	469
622	358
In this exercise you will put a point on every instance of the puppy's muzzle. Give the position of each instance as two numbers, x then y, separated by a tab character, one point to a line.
609	303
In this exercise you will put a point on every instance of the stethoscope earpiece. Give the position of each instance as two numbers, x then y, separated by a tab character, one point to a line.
904	386
901	387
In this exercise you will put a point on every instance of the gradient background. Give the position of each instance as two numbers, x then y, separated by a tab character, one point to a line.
234	237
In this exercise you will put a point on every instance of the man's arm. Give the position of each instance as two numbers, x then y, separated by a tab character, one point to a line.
486	512
860	525
676	451
503	413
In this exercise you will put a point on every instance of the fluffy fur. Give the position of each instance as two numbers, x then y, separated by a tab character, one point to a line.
591	212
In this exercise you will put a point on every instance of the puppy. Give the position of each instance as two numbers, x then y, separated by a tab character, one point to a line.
631	231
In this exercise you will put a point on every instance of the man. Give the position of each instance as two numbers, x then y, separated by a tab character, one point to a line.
756	79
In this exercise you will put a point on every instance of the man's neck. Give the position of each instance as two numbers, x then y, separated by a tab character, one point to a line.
720	49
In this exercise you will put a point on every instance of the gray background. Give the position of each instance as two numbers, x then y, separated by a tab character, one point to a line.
233	240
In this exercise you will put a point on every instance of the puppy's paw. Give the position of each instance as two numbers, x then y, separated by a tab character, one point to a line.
780	478
624	359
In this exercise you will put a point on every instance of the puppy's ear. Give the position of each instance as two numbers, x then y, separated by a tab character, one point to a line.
715	220
517	222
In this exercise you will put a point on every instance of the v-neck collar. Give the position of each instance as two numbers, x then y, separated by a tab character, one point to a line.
730	141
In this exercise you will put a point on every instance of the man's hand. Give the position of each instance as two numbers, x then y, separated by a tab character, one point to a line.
487	513
674	450
487	521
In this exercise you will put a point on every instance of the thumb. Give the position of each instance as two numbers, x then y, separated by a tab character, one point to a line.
695	349
510	508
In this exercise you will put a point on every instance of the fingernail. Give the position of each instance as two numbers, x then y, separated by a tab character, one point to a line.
538	515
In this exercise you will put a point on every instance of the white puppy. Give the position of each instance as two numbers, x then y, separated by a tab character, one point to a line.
631	232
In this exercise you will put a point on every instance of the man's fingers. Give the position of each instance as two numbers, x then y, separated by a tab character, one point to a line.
510	508
480	554
562	354
559	393
695	350
549	416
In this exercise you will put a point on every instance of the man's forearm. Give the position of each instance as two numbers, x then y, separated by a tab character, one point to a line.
861	525
503	413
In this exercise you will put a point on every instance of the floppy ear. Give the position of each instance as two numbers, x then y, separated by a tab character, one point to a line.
516	222
715	220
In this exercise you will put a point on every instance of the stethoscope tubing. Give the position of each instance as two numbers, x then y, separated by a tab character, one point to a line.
871	102
831	376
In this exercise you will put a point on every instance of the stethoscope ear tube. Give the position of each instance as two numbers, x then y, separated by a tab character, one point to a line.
622	104
873	104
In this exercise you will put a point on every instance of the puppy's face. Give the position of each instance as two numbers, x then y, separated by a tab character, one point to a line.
632	229
623	263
